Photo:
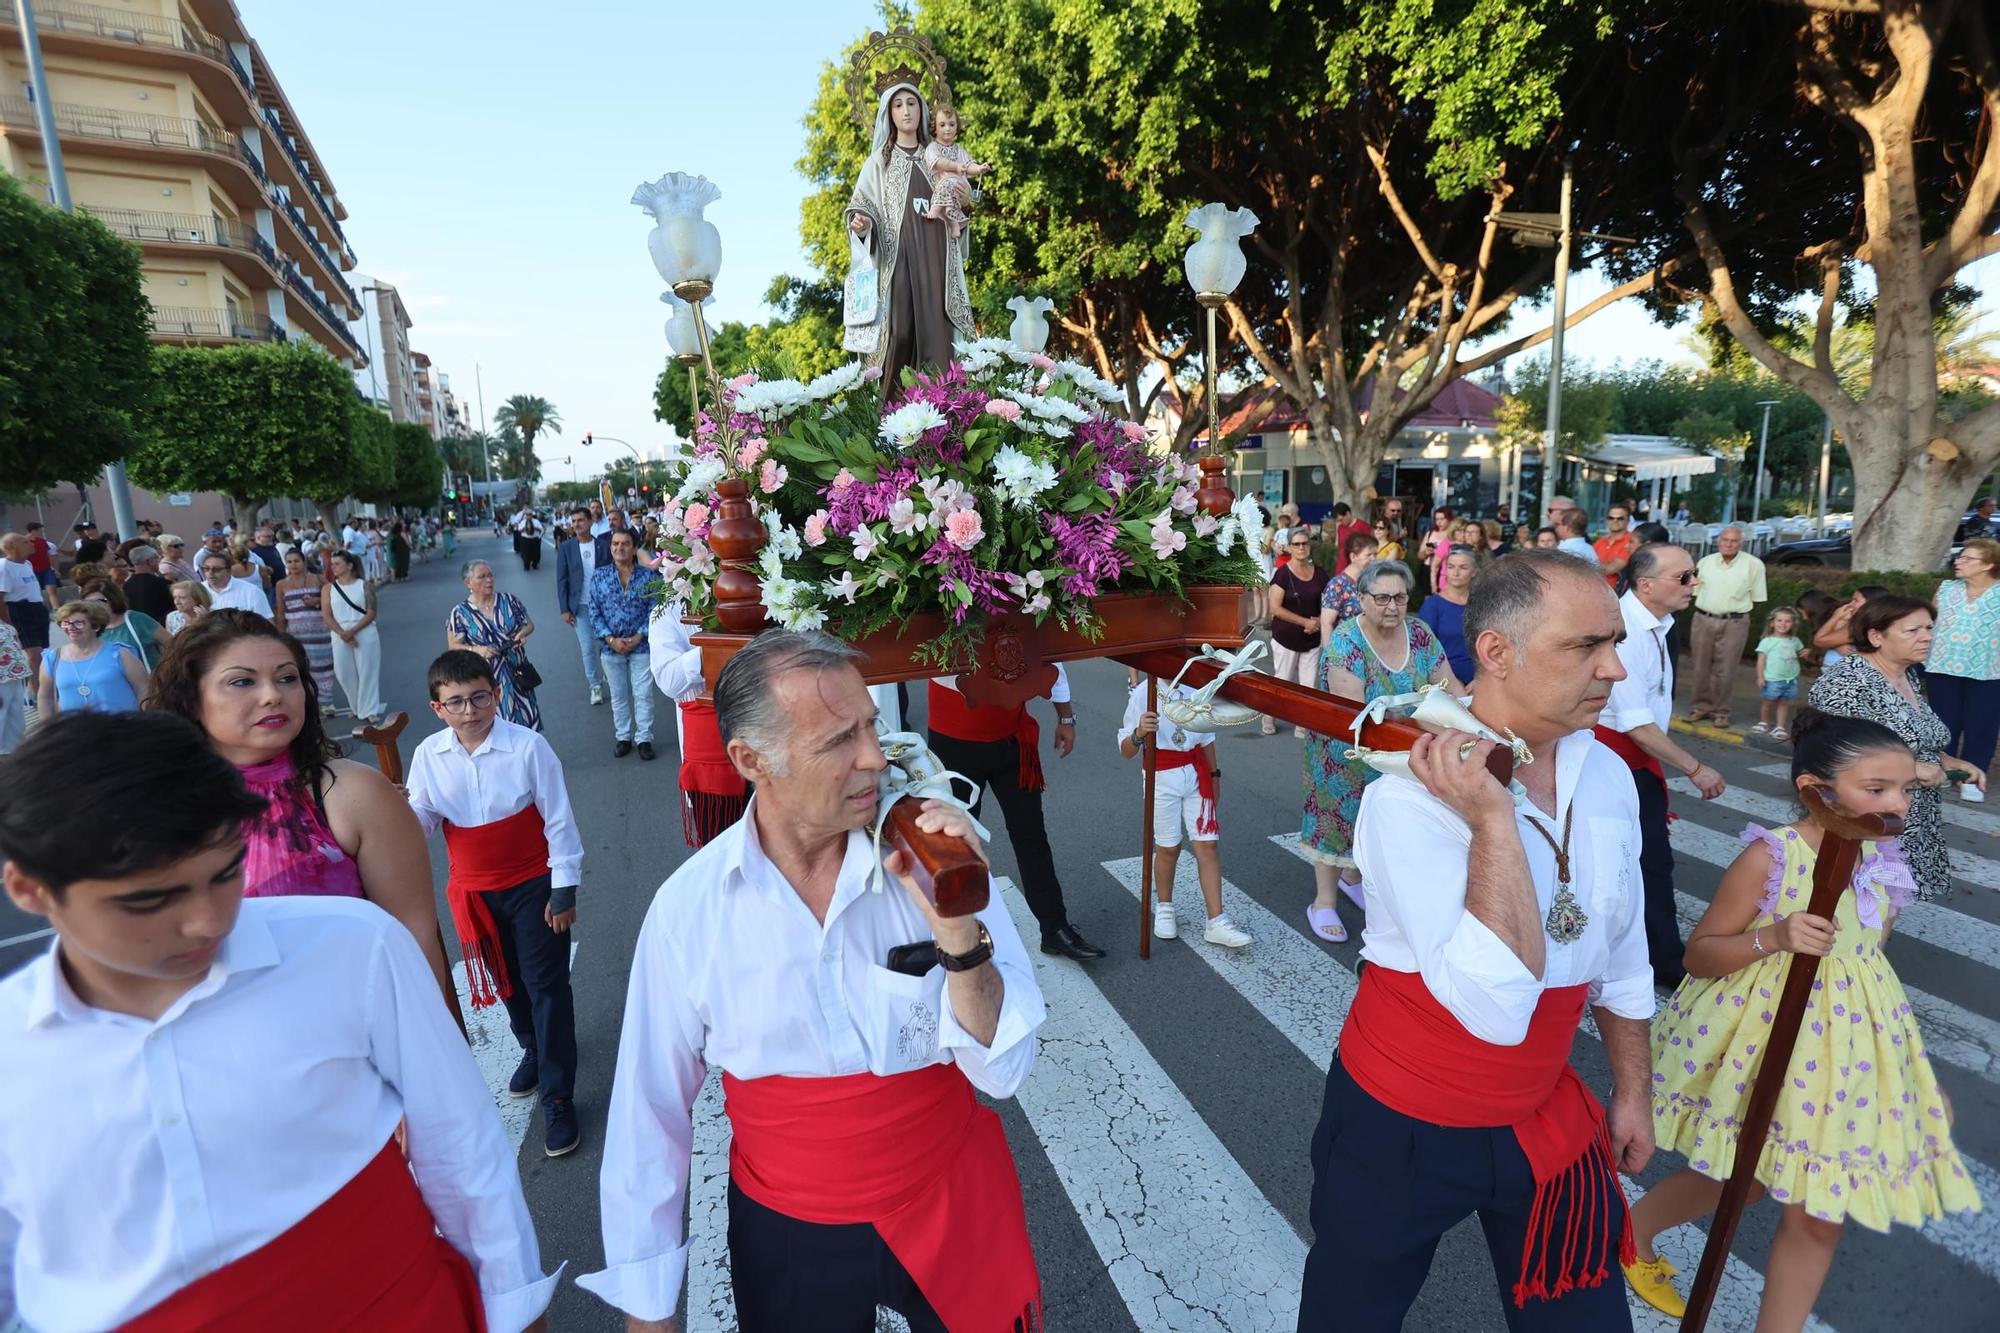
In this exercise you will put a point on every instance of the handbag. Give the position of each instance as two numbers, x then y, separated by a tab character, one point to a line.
525	674
861	299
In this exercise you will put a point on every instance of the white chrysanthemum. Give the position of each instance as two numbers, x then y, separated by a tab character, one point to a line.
1225	537
770	399
779	594
903	426
788	543
1021	476
1088	380
835	382
1047	408
771	564
700	480
803	618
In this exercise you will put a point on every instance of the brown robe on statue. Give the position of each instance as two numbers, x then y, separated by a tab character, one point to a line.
920	333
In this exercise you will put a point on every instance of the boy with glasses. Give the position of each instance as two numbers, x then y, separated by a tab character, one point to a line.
497	790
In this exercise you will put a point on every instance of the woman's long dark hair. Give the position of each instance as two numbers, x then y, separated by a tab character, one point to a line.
177	683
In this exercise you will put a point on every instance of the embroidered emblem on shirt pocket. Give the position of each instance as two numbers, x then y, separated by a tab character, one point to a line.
917	1041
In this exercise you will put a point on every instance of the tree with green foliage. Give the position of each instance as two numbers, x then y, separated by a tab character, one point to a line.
802	342
1844	153
371	472
251	421
419	470
75	361
531	415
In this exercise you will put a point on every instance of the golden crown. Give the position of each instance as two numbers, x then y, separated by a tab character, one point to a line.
889	78
917	64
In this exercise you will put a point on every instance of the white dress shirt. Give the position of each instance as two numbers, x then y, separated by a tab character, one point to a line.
512	769
1647	692
731	970
1579	547
1171	735
1412	850
182	1144
240	595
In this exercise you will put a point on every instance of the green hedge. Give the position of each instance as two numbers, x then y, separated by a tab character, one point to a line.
1786	583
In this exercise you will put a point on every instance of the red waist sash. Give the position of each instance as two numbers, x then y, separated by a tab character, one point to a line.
1408	1052
369	1257
916	1156
1204	782
485	857
1621	744
951	714
713	793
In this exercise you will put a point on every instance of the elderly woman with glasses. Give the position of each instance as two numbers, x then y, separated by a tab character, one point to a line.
89	673
1383	651
175	566
1294	602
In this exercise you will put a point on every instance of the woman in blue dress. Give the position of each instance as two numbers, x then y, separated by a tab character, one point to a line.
1383	651
88	673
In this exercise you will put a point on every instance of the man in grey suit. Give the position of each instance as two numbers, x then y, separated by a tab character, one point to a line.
603	539
574	562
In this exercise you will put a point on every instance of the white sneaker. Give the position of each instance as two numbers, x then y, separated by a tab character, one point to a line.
1221	930
597	696
1165	925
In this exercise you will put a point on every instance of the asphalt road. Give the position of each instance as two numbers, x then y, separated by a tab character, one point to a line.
1161	1140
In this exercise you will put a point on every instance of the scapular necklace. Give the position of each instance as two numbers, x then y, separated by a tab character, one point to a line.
1566	920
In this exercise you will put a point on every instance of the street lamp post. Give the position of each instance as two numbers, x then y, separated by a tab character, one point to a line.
1214	266
1763	438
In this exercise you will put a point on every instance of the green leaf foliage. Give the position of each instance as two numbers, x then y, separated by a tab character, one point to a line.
75	373
372	446
418	466
252	421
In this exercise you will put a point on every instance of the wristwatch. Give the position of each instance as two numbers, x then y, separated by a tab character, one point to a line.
1065	720
971	958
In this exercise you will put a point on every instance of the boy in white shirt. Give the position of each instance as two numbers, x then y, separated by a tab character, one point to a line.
232	1076
1184	796
497	790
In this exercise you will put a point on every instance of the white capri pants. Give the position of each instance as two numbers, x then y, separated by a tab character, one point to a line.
1177	806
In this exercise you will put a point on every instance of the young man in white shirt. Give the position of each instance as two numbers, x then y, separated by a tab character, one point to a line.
851	1028
1494	918
498	792
231	1075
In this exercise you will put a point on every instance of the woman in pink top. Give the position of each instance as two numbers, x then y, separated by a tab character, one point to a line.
332	826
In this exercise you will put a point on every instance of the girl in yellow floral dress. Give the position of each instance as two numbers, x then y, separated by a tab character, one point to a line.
1861	1130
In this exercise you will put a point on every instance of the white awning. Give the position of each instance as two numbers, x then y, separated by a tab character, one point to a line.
1649	457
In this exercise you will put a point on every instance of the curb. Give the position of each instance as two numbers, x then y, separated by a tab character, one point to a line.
1720	735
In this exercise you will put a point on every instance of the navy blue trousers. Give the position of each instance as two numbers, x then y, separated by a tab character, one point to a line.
539	1005
1385	1190
790	1275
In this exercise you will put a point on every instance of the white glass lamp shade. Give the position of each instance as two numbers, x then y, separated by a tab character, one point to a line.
1215	262
684	245
1030	330
682	339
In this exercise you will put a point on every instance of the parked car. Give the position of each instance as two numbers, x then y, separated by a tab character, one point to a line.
1838	552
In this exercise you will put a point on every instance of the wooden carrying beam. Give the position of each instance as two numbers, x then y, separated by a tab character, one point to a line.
1315	710
1833	871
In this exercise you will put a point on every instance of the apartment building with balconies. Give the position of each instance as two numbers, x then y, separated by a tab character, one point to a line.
176	133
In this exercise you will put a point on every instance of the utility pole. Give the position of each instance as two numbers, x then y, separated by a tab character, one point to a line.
479	383
1757	482
45	119
1551	456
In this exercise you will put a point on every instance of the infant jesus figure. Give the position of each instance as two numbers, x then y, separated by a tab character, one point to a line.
950	169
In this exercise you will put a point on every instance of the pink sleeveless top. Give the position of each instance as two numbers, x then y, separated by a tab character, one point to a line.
290	851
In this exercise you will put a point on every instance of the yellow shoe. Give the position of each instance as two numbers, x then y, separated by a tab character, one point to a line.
1650	1279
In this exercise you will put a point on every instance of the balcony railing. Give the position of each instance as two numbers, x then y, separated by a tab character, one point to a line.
277	131
120	25
185	321
185	229
291	211
94	122
333	318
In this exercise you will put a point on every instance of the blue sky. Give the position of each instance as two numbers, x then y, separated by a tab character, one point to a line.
487	153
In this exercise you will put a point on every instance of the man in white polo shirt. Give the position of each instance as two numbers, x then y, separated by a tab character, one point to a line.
229	593
1732	583
1635	726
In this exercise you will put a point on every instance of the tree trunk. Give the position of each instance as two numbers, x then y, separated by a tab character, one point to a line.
1910	490
247	510
329	514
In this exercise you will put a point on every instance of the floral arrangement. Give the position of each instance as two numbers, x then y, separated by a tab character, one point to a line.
1006	483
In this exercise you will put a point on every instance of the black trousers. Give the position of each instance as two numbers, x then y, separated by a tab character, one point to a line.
529	549
790	1275
539	1005
1385	1190
997	764
1664	948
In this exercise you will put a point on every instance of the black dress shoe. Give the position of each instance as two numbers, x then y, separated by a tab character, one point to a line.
527	1076
646	751
620	750
1066	943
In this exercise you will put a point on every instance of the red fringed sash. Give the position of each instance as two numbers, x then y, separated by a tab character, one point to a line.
369	1257
1204	782
916	1156
953	715
484	857
1409	1053
1622	745
713	793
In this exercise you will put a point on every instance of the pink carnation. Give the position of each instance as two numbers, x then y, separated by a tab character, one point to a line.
772	477
696	515
842	480
1004	408
744	381
747	456
816	529
1042	361
964	529
1134	432
870	375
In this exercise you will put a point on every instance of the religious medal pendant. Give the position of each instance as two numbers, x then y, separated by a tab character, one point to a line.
1566	920
1180	738
83	691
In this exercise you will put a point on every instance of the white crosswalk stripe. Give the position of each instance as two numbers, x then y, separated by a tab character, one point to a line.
1955	811
1980	872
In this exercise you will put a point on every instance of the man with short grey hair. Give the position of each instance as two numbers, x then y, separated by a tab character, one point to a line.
145	589
1732	584
851	1028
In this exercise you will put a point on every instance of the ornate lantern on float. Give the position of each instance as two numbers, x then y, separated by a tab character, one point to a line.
1215	266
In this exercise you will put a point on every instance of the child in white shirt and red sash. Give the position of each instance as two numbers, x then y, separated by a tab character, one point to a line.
497	790
1185	787
230	1075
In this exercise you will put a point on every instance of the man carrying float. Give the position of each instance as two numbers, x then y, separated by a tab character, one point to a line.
852	1024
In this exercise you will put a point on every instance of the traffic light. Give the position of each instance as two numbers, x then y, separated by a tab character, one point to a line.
587	437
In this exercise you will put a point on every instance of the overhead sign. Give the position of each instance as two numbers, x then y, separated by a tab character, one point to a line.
181	499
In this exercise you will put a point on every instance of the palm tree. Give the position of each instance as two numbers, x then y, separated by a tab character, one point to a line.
531	415
512	458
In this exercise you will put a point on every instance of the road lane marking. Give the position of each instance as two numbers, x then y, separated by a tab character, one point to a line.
28	938
1955	811
1304	966
1186	1236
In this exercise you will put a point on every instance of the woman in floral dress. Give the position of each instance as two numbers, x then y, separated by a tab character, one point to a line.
495	625
1383	651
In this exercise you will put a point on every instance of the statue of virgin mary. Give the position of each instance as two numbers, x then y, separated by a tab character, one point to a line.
921	302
